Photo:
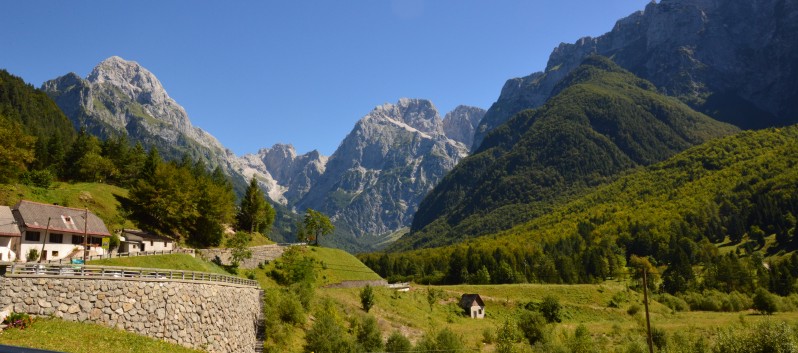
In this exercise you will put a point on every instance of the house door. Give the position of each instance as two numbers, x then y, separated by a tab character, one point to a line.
142	246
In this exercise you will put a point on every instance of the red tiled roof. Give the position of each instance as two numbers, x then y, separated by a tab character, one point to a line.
34	215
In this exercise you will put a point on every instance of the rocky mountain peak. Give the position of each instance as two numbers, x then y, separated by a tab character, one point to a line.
418	114
460	123
134	80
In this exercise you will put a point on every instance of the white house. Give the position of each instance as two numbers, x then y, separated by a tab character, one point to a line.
56	232
134	240
9	234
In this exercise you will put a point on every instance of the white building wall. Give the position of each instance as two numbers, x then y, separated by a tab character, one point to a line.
7	245
157	245
55	251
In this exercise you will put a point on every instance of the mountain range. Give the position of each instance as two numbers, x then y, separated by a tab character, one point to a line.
371	185
671	69
732	60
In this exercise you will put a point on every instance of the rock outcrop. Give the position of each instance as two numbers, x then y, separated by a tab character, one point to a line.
461	123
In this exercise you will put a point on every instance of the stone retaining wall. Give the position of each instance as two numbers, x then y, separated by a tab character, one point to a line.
358	284
259	254
211	317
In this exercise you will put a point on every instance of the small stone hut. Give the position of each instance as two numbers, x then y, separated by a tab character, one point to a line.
473	305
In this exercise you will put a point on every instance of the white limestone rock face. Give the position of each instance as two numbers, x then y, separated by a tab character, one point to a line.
392	158
121	96
461	123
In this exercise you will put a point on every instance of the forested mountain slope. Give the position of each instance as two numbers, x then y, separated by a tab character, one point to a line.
604	120
741	190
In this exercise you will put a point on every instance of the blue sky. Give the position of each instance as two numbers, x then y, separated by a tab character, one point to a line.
255	73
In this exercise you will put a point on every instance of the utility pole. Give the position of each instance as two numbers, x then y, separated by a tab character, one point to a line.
86	236
648	321
44	239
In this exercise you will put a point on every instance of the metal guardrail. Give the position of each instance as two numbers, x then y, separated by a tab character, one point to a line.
123	273
125	254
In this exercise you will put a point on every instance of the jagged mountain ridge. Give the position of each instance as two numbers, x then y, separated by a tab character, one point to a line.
122	97
384	167
735	60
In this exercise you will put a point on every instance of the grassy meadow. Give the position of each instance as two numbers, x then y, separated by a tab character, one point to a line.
75	337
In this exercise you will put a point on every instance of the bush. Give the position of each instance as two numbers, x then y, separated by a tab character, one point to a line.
443	341
674	303
18	320
487	336
633	309
33	255
765	302
397	343
40	178
367	297
533	326
550	308
713	300
368	335
659	337
763	337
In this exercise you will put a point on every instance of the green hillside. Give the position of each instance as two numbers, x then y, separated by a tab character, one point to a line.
75	337
719	208
603	121
182	262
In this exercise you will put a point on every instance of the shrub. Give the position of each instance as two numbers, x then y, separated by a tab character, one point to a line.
633	309
765	302
397	343
618	299
672	302
18	320
367	297
533	326
33	255
659	337
763	337
550	308
368	335
487	336
40	178
713	300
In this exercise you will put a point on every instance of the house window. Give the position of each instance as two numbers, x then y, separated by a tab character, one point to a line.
56	238
152	242
32	236
55	253
77	239
164	244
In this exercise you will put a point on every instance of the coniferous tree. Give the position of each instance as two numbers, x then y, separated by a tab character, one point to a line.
255	214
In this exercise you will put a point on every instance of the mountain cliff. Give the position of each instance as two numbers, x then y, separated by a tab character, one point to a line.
122	97
286	176
735	60
392	158
602	121
461	123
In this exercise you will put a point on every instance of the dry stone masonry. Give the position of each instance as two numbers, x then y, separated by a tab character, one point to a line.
260	254
211	317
